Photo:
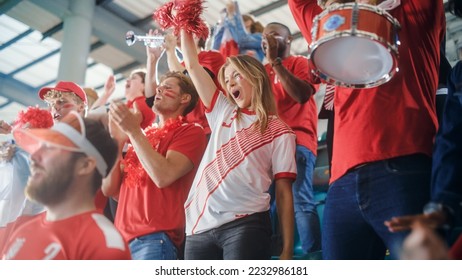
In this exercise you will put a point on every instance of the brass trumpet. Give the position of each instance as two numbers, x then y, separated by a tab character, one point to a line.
151	41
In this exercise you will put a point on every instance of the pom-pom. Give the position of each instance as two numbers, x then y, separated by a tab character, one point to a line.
164	16
34	117
187	16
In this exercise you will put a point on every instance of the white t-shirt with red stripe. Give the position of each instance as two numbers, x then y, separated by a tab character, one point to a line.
238	167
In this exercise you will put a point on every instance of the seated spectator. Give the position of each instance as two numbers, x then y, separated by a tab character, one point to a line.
70	228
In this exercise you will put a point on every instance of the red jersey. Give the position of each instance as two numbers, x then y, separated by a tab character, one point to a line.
302	118
146	112
87	236
145	208
397	118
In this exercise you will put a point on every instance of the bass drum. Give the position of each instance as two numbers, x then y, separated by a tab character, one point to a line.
355	45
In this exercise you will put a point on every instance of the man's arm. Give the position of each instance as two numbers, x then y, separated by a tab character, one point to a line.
172	60
152	55
163	171
304	12
300	90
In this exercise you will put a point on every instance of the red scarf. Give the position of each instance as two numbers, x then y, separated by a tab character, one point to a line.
134	173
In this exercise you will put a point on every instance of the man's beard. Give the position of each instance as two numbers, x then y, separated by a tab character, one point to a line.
54	186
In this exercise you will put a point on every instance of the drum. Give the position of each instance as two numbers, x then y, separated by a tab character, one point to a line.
355	45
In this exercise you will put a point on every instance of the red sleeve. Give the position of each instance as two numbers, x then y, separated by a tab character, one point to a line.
214	100
304	12
212	60
190	140
98	239
286	175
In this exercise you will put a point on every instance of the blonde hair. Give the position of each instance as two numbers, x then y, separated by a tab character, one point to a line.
55	94
92	96
254	72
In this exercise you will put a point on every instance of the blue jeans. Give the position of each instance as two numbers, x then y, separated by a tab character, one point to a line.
358	203
247	238
155	246
306	216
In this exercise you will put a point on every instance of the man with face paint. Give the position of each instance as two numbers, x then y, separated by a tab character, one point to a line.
289	76
153	180
63	98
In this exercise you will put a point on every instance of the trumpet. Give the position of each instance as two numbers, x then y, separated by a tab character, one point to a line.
151	41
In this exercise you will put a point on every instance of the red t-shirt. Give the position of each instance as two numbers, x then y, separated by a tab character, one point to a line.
87	236
211	60
148	209
146	112
397	118
302	118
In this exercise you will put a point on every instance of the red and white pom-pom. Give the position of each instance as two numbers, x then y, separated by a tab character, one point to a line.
34	117
163	15
182	14
189	17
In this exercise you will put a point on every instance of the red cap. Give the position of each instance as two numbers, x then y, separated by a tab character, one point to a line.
65	87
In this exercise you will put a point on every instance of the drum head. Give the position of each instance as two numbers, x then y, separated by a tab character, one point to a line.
353	61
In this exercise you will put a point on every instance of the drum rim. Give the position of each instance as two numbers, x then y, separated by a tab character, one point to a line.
328	79
346	6
391	48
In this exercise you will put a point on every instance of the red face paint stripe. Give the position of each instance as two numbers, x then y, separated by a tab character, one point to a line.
67	106
169	93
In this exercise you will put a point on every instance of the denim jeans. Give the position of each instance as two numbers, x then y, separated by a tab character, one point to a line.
358	203
247	238
155	246
306	216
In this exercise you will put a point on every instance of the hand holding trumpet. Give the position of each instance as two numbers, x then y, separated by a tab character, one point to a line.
152	41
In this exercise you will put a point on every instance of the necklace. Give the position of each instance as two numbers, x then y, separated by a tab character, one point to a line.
134	173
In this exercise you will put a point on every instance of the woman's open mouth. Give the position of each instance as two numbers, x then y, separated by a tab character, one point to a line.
236	94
